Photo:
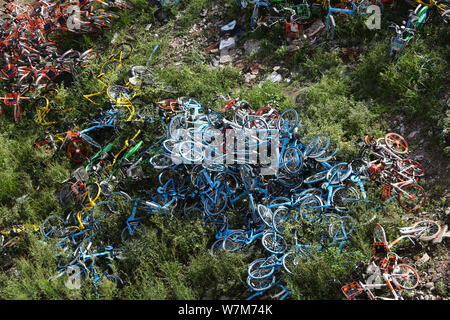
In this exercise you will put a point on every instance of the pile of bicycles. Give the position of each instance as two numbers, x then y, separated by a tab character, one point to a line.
385	162
387	275
32	58
296	15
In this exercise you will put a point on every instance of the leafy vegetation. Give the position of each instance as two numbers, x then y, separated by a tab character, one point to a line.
344	100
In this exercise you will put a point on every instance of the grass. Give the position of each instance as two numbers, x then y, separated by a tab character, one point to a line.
344	100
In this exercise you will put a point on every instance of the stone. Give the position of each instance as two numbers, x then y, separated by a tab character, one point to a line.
251	46
429	285
413	134
423	260
248	77
225	56
274	77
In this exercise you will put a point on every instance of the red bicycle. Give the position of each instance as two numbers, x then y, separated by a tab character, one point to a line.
13	99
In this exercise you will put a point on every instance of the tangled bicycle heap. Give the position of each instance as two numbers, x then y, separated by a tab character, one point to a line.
29	43
247	173
298	16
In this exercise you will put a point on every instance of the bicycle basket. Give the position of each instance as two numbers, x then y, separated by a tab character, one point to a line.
380	249
397	44
351	290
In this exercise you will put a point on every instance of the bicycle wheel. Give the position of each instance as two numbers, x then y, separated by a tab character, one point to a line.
273	242
260	269
44	146
177	127
311	209
405	276
338	173
265	214
317	146
136	233
396	143
316	177
216	247
117	201
87	58
345	198
340	226
280	216
255	16
378	234
193	213
234	241
411	197
78	150
122	50
288	121
429	229
261	284
53	227
291	260
292	160
191	151
120	94
99	212
217	203
330	27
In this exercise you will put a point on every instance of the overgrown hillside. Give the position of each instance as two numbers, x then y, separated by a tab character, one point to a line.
344	88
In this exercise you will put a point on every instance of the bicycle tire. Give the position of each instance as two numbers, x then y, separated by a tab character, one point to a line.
432	229
293	160
265	214
218	206
216	247
117	200
411	168
378	234
78	150
234	241
414	201
53	227
273	242
260	284
138	234
291	259
396	143
125	48
256	271
339	173
344	198
405	276
287	121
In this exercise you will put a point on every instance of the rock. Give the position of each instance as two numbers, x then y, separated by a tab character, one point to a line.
147	27
423	260
315	28
251	46
274	77
413	134
225	56
248	77
429	285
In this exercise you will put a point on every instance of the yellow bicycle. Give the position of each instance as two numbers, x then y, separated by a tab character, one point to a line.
443	6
